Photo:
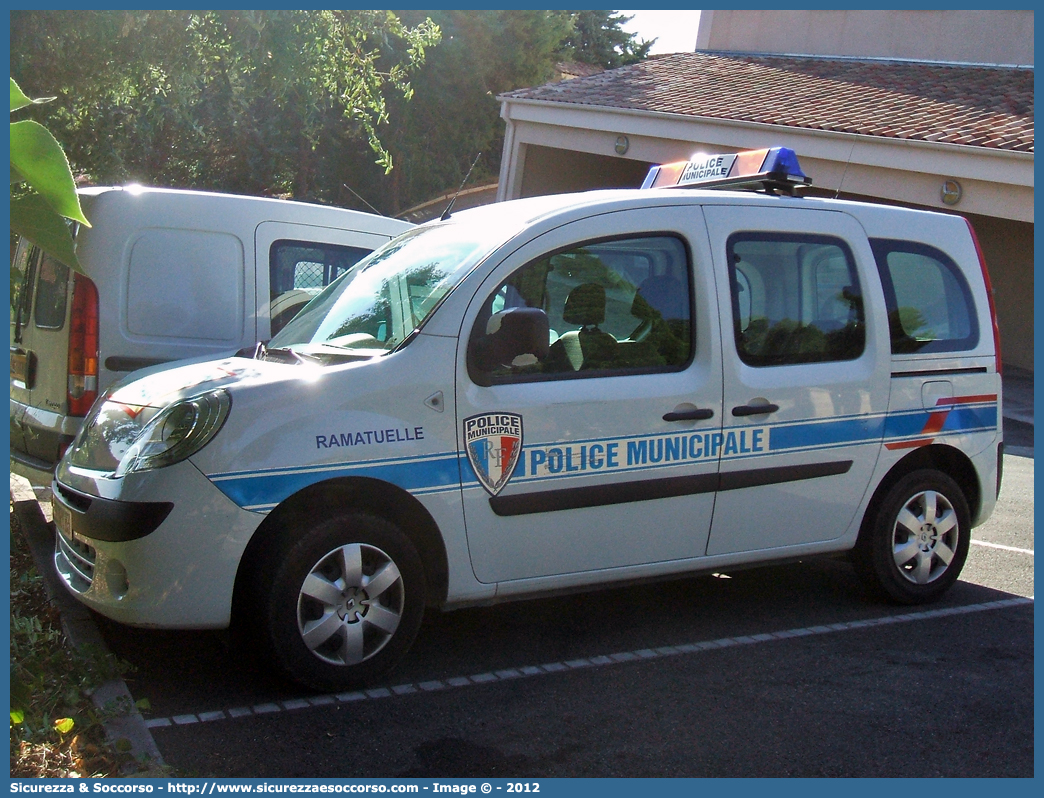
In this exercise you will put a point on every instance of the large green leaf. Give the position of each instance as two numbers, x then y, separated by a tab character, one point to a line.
38	157
34	218
19	100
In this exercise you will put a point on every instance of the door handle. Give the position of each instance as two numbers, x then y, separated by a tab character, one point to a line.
23	367
754	410
696	414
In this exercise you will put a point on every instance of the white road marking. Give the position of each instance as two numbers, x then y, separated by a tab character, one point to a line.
590	662
1002	548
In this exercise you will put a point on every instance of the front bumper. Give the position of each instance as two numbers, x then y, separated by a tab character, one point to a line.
107	519
157	549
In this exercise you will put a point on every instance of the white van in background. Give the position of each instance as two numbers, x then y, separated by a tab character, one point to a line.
169	275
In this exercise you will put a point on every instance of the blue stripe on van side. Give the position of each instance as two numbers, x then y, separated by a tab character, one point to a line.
265	489
826	433
451	470
964	418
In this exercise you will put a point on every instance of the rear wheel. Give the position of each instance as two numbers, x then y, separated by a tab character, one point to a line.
340	604
915	546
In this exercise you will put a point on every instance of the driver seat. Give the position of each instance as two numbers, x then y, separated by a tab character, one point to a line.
588	347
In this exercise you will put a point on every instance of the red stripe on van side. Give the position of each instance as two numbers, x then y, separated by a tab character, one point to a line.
909	444
967	400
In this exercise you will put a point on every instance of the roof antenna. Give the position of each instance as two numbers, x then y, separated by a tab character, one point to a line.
368	205
845	173
446	213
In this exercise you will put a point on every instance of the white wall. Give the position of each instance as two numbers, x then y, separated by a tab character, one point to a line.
965	36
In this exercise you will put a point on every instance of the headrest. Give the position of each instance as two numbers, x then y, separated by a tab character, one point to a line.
585	305
660	297
512	334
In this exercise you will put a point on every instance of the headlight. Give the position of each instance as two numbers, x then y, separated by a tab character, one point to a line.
177	432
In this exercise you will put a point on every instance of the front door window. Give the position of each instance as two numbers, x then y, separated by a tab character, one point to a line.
613	307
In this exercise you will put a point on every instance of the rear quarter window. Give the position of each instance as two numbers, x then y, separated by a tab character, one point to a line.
22	273
930	308
51	293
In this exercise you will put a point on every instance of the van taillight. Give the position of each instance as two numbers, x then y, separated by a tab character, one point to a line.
989	294
83	347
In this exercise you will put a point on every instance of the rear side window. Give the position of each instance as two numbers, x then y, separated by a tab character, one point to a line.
51	293
299	270
795	299
23	269
929	303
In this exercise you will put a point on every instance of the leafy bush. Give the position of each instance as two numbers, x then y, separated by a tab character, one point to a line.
55	729
43	194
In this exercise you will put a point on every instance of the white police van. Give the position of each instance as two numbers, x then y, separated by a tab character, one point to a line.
553	393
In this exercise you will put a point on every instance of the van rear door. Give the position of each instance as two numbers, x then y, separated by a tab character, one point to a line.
39	354
23	361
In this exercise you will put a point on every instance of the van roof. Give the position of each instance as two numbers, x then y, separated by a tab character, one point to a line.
187	207
531	210
137	190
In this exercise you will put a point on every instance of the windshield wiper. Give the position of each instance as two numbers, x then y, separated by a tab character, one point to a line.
282	355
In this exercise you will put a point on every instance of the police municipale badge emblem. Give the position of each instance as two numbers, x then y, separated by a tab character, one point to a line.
494	443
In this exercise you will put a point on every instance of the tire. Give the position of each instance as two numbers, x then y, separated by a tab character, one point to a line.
913	549
340	604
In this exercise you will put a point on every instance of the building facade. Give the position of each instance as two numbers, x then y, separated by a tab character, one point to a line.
903	107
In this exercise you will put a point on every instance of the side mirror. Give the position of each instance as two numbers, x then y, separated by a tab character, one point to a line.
513	337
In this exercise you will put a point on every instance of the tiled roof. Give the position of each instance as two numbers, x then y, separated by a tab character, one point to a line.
977	106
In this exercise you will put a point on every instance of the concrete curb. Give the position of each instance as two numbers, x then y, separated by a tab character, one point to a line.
125	728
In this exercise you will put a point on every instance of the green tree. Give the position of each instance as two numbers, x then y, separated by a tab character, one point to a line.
311	104
599	38
230	100
454	114
43	194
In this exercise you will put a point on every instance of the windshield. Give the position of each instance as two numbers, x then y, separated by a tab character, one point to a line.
374	306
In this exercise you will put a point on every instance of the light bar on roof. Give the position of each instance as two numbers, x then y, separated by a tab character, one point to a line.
775	168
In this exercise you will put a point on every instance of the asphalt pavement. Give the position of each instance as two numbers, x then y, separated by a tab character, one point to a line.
946	697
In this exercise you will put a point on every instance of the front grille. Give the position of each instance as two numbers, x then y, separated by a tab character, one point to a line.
74	560
73	498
